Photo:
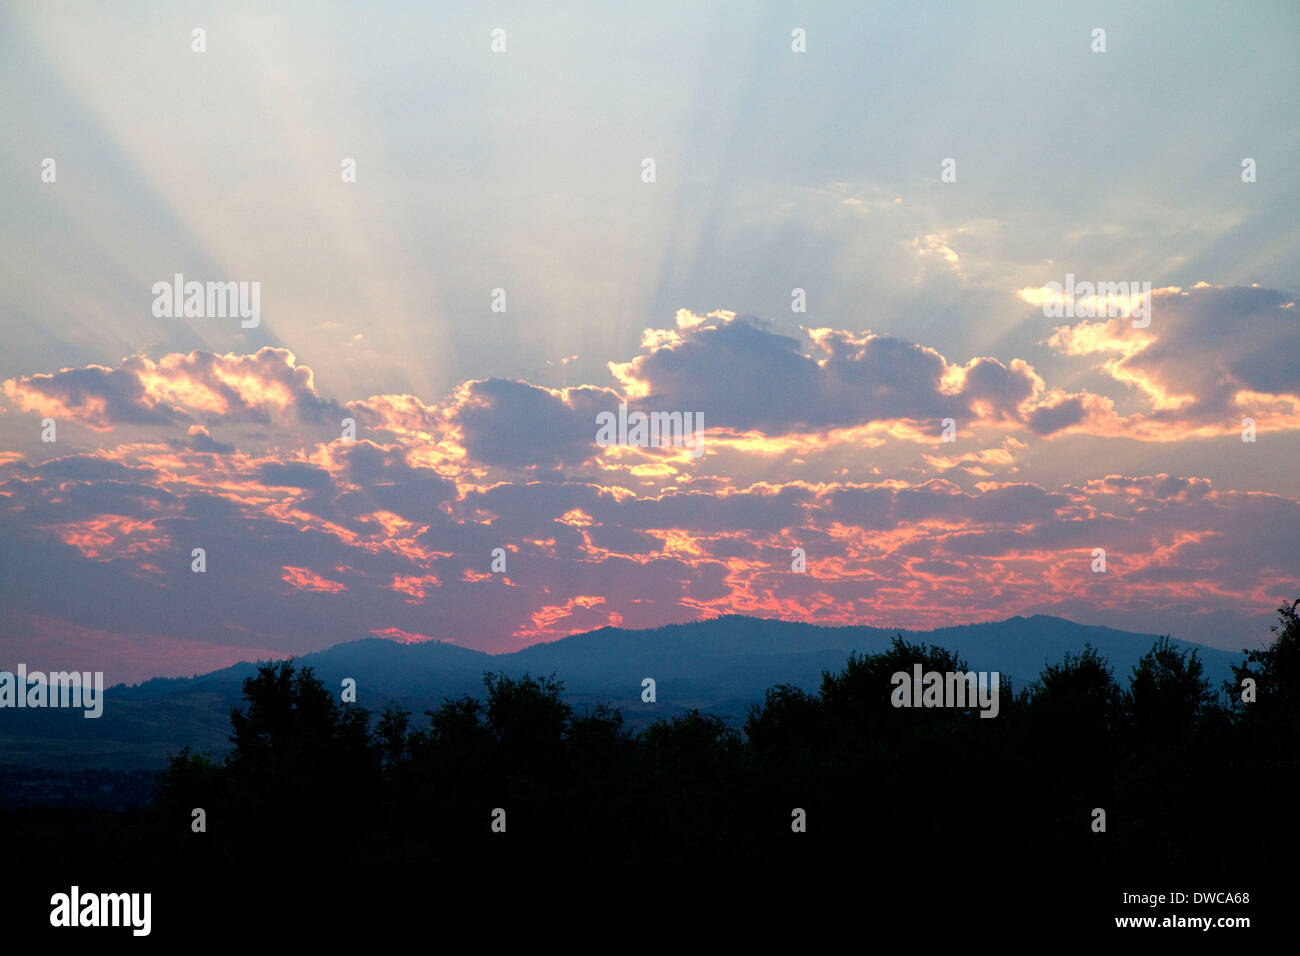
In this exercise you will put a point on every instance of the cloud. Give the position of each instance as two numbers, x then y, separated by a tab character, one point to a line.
517	425
312	542
302	579
353	539
726	366
294	475
1211	357
198	386
200	439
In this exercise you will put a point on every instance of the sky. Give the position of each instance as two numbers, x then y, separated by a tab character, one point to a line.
460	249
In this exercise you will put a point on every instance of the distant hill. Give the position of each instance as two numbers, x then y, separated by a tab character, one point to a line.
721	666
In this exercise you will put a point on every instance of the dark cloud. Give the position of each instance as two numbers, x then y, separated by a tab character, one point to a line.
515	425
294	475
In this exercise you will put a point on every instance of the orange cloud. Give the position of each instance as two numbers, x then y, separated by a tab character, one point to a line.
301	579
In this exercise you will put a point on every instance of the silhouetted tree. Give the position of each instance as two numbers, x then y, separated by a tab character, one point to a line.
1169	700
1275	713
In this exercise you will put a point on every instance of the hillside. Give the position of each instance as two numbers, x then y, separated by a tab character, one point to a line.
721	666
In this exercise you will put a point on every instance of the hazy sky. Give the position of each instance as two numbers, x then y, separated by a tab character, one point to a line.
522	170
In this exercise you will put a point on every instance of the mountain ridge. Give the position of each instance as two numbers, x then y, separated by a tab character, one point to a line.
721	665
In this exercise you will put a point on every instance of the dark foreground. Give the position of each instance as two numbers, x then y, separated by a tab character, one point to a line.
330	824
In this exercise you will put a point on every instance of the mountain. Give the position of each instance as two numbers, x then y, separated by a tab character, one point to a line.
721	666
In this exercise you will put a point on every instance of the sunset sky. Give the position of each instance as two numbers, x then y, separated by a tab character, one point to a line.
522	170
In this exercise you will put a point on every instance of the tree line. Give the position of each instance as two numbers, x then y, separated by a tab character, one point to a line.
1175	765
